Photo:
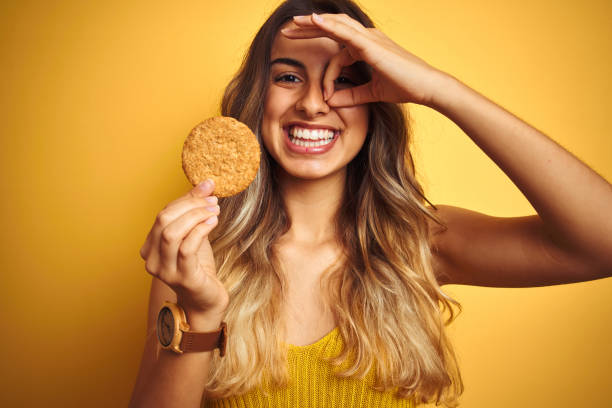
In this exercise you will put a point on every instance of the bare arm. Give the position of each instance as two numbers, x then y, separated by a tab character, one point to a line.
179	256
504	252
569	240
167	379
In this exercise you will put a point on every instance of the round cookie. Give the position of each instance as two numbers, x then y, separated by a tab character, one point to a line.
224	150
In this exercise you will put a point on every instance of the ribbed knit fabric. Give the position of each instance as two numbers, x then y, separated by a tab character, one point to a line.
313	384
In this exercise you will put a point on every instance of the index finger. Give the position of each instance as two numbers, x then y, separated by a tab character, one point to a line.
336	64
338	27
204	189
314	18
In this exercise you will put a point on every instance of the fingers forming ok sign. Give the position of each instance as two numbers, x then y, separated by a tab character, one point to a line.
397	75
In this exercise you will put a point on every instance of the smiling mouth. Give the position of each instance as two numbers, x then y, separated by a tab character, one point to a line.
311	137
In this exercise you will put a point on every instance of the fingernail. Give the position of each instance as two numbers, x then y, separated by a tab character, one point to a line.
211	200
325	94
213	209
317	18
211	220
206	184
300	18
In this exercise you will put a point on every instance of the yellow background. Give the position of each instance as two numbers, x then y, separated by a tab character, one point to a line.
97	97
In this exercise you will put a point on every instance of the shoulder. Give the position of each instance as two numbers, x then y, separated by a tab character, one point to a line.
446	231
456	223
453	222
470	247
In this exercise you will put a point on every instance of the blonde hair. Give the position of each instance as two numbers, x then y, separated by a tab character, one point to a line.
389	306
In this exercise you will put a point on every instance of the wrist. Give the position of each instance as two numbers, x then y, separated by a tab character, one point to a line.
444	87
203	321
204	332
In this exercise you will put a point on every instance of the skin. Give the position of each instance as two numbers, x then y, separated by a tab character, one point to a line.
295	95
311	183
569	240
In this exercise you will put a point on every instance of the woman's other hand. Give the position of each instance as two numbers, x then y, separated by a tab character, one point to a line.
397	75
178	253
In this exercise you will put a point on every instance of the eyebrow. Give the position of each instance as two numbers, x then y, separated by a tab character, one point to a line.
288	61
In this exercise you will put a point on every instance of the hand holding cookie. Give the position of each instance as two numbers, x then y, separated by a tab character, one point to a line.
220	154
177	250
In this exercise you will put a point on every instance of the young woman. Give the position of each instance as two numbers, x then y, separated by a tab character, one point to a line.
327	269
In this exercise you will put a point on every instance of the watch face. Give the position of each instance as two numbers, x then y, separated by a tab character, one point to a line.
165	326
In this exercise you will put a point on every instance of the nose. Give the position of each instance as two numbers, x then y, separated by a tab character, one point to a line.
311	102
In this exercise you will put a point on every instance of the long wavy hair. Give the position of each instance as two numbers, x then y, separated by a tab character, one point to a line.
389	307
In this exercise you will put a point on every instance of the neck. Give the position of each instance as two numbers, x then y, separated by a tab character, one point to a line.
311	206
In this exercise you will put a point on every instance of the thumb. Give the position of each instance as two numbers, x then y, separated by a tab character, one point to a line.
353	96
203	189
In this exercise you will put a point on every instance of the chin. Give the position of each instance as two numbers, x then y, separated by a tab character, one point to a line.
313	174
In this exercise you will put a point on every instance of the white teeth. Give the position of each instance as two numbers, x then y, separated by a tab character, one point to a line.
314	134
304	143
310	137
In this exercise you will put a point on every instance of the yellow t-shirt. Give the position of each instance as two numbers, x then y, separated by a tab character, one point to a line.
313	384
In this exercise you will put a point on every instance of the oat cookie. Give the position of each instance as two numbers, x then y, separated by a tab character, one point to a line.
225	150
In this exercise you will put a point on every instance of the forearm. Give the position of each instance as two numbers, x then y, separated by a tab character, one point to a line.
167	379
572	200
174	380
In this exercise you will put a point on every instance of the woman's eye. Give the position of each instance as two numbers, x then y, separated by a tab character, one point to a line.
286	78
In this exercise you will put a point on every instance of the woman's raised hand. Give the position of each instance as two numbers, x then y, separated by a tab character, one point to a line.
177	251
397	75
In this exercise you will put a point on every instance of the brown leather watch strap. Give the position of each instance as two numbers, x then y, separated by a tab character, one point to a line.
199	341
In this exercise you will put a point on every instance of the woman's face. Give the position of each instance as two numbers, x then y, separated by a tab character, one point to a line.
308	138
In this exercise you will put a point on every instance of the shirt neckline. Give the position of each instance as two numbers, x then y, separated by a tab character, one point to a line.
316	343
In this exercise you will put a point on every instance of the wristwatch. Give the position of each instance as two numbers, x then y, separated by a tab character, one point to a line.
173	333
